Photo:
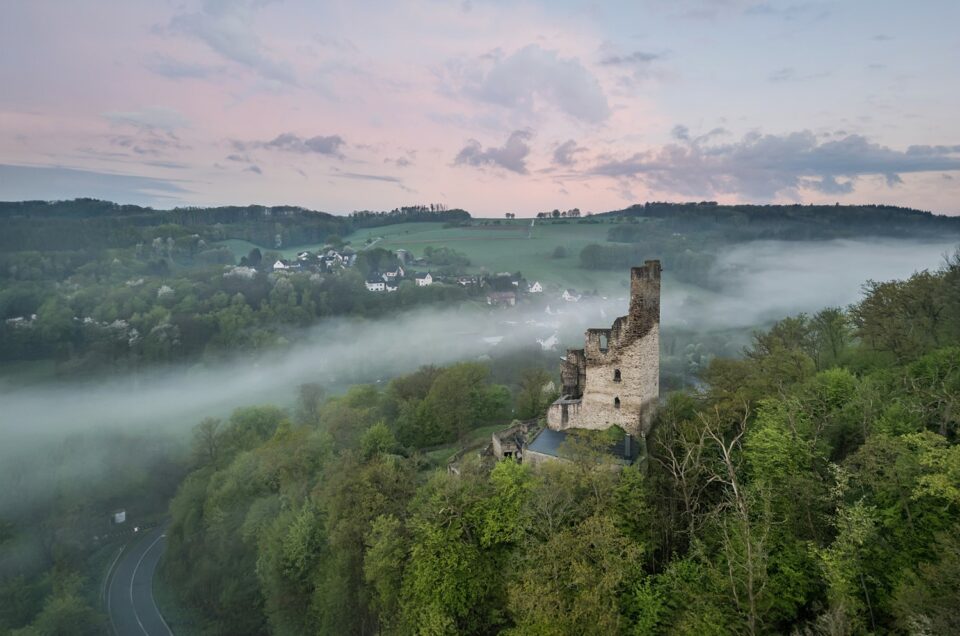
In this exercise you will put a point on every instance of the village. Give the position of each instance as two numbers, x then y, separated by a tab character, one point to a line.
500	289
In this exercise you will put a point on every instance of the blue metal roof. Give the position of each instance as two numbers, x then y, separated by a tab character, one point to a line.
548	442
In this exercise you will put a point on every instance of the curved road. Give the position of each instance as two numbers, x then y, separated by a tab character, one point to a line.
130	601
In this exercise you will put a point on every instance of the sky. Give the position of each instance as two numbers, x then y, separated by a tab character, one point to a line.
492	106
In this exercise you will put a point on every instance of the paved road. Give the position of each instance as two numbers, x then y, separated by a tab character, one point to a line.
130	601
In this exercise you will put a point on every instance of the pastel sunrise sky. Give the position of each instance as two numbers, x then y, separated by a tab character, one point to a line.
491	106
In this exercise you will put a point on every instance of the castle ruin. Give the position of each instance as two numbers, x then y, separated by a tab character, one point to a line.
615	378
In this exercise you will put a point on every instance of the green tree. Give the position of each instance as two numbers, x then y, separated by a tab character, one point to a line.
383	568
843	566
536	393
928	595
571	584
376	440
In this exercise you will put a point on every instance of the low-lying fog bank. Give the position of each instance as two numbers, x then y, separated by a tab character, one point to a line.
764	281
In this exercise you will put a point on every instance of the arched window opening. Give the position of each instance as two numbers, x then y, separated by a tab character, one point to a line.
616	375
616	403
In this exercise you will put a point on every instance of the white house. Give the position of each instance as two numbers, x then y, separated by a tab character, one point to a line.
394	274
423	280
375	283
549	344
571	296
280	266
535	288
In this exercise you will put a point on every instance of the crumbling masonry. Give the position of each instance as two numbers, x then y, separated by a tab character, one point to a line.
615	378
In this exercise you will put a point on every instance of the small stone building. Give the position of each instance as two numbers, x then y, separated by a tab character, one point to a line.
510	443
615	378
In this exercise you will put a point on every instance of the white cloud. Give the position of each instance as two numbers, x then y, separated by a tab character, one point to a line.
511	156
563	155
761	166
226	26
534	73
289	142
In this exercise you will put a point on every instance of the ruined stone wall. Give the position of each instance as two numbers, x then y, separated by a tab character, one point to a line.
533	458
506	441
619	383
637	389
573	373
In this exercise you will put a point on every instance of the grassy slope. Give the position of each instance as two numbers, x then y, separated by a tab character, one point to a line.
507	248
476	439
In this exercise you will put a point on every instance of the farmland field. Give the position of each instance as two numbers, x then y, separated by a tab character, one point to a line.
510	246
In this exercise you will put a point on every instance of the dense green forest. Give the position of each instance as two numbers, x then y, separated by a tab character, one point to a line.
809	487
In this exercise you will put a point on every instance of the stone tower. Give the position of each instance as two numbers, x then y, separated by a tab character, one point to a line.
615	378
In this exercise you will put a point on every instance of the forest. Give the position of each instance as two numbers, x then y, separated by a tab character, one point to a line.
811	487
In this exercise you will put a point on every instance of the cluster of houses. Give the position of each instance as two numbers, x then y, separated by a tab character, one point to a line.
502	296
389	280
503	289
327	261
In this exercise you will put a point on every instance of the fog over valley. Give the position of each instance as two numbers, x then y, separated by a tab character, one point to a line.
755	284
763	281
752	285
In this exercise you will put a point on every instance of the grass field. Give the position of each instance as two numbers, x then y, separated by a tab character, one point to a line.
239	247
509	247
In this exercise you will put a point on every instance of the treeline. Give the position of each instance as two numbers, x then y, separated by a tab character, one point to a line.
409	214
84	224
791	222
811	487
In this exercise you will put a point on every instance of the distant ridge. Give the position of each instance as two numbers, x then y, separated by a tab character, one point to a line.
788	222
93	223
